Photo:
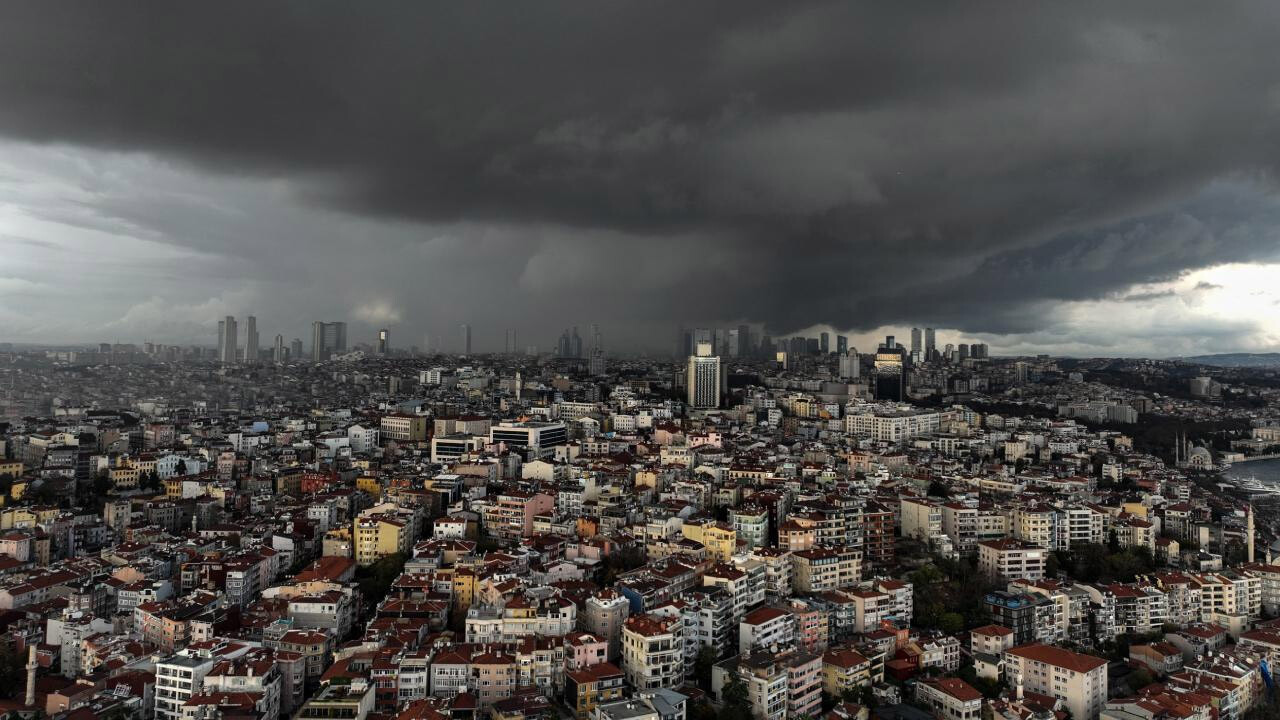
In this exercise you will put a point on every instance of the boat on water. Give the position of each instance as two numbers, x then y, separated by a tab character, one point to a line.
1254	486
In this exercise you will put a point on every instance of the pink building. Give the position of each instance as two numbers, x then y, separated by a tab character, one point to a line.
582	650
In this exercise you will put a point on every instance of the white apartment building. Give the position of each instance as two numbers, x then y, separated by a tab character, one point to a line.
653	651
1009	559
1078	680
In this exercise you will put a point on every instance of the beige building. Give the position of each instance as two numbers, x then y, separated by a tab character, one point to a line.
1008	559
653	651
825	568
950	698
1078	680
404	428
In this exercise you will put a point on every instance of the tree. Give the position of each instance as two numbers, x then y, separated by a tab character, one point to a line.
375	580
1113	542
938	489
951	623
12	671
736	700
1139	679
702	710
707	657
1051	565
101	485
182	466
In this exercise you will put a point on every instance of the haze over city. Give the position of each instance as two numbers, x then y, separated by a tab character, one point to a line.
1086	179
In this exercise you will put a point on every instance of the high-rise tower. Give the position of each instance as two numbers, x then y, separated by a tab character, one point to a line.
229	346
251	340
703	384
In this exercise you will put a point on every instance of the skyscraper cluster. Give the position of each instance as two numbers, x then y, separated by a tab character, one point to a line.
570	344
736	342
229	351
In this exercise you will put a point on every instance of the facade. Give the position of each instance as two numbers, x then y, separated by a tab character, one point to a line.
1078	680
653	651
1009	559
703	379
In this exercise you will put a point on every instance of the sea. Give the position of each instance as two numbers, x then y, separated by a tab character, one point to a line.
1268	471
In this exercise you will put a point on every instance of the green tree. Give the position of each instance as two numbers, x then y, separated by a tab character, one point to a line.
707	657
736	703
951	623
12	672
375	580
702	710
1139	679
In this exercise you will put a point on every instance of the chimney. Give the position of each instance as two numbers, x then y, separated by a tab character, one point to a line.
30	699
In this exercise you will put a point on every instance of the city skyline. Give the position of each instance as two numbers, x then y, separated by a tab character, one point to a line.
822	360
1138	221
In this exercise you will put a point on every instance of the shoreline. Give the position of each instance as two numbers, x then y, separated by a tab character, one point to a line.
1252	458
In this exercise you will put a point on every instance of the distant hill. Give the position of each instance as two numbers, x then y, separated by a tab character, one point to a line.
1236	359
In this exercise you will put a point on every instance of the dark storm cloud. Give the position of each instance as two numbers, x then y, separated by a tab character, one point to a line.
847	163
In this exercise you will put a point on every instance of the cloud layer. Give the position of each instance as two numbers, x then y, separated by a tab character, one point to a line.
636	164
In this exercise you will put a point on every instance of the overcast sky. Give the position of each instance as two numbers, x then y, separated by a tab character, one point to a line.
1083	178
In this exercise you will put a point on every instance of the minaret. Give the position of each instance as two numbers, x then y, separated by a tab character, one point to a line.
1248	529
31	675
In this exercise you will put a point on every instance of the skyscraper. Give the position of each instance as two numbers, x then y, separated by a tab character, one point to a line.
466	339
317	342
930	344
222	338
327	339
890	379
384	341
295	350
229	345
850	365
824	343
575	344
915	340
251	340
744	341
684	342
703	384
277	353
842	344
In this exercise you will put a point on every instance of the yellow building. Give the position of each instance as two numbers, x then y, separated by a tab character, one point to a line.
719	539
1135	508
843	670
369	484
124	478
377	537
24	517
464	583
